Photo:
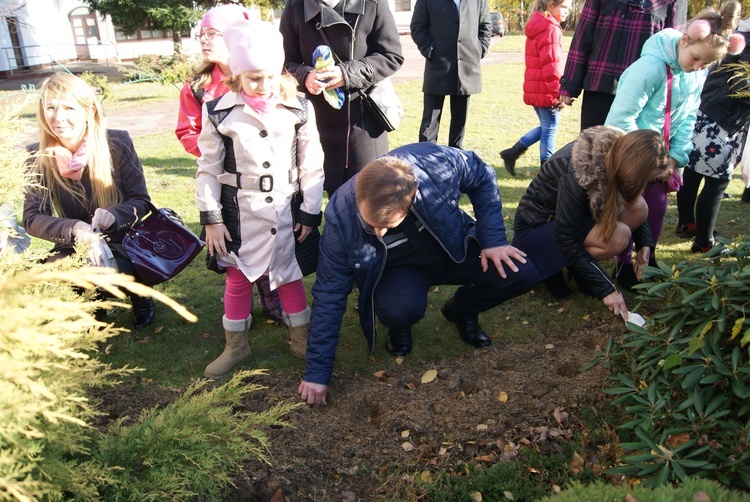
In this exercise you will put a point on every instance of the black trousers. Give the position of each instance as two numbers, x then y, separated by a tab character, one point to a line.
401	294
700	209
433	110
594	108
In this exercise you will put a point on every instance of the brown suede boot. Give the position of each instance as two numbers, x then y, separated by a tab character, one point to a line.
298	324
235	350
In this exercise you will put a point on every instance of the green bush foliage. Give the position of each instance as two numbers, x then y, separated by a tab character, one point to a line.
683	381
100	83
189	448
691	489
175	69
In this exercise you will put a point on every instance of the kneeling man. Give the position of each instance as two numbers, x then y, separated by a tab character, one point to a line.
396	229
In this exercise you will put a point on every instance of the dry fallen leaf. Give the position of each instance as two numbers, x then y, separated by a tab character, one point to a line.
484	458
443	450
509	495
379	374
676	440
425	477
630	498
561	310
586	317
411	386
106	349
549	346
206	336
576	465
399	360
158	329
502	396
482	428
525	323
407	446
405	434
429	376
476	496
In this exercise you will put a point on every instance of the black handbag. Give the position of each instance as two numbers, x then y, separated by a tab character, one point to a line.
307	251
161	246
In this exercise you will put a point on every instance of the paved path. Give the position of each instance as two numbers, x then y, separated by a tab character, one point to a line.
161	117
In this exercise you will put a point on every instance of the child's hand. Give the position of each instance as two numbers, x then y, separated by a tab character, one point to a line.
216	237
302	230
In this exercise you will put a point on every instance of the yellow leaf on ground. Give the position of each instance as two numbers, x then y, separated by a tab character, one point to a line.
476	496
399	360
509	495
407	446
426	477
405	434
158	329
502	396
429	376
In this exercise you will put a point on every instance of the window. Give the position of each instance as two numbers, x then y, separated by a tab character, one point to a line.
403	5
146	33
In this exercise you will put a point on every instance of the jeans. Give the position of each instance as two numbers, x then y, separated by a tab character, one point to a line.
545	133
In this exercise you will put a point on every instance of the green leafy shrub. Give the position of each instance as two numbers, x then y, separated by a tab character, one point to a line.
683	381
189	448
100	83
691	489
175	69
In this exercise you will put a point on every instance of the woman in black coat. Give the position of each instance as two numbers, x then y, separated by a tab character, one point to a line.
585	204
363	34
87	181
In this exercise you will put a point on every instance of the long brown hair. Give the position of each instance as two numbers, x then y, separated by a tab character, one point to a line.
633	160
67	87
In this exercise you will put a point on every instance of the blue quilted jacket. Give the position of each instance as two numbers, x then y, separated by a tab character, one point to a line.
350	254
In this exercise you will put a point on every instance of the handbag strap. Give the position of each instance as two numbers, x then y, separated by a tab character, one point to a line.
668	108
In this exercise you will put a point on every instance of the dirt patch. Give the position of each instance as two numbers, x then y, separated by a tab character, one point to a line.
482	406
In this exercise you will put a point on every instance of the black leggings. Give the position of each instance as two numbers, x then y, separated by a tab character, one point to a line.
703	212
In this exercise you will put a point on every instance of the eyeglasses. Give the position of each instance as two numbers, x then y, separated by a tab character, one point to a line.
209	34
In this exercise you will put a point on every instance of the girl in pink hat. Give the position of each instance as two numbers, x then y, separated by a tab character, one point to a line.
207	84
259	148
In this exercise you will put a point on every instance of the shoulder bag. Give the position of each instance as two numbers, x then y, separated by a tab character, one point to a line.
161	246
381	99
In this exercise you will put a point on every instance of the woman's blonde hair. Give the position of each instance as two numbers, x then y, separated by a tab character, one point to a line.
722	23
633	160
202	75
287	85
69	88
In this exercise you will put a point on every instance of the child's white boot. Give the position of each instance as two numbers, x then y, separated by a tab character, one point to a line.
235	350
298	324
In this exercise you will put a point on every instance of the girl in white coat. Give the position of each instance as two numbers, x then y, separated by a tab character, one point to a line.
259	145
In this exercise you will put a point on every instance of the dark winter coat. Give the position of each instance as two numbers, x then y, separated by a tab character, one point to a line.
730	113
452	45
570	187
38	219
544	63
609	37
366	40
350	254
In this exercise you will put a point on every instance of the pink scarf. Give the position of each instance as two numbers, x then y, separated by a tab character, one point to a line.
260	105
70	164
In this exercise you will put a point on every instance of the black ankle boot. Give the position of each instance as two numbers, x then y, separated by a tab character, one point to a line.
468	325
557	287
143	311
399	342
624	274
510	156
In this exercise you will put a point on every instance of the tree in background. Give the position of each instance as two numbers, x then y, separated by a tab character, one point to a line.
177	16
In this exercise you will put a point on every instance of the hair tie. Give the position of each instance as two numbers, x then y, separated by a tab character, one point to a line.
736	44
699	29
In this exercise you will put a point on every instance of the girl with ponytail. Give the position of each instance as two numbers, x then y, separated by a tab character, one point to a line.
584	206
661	91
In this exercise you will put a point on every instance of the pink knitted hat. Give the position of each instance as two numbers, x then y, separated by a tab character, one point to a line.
254	45
222	17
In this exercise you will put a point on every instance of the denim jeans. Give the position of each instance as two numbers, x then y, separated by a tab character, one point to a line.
545	133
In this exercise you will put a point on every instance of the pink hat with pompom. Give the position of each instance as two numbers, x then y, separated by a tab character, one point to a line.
222	17
254	45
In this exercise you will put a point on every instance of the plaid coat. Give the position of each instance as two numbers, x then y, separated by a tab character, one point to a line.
609	37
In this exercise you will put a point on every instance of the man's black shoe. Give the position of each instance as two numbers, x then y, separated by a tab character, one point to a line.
468	325
399	342
143	311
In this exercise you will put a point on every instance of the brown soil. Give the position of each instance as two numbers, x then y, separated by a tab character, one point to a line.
380	432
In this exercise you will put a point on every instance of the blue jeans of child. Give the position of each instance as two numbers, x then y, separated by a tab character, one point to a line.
545	133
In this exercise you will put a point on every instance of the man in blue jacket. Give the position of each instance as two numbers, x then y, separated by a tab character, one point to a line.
396	229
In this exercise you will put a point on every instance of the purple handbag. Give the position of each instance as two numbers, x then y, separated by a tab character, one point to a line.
161	246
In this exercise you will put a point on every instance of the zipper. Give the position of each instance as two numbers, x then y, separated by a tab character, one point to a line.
436	237
604	276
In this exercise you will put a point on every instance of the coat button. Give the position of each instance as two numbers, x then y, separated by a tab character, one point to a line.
269	199
266	164
357	265
273	231
263	133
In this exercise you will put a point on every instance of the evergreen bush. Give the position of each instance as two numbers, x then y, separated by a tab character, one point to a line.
691	489
175	69
683	381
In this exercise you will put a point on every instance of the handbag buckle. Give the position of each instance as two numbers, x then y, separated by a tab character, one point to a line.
265	183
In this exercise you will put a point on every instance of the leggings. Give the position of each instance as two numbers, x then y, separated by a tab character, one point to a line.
238	296
655	195
704	211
